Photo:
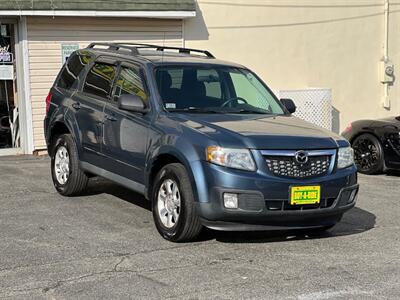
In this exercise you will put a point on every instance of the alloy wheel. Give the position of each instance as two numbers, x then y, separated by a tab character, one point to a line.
169	203
61	165
366	154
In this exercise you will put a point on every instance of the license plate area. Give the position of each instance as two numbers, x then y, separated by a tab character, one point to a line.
304	195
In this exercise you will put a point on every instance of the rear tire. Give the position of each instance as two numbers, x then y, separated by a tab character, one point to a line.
174	210
68	178
368	154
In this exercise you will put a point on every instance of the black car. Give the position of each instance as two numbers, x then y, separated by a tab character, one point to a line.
376	144
206	141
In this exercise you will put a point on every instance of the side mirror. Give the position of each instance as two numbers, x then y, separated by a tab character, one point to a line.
289	105
132	103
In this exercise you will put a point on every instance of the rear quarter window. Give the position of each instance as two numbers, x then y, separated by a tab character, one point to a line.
72	68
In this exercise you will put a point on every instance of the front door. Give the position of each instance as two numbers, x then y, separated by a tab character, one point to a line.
89	107
126	133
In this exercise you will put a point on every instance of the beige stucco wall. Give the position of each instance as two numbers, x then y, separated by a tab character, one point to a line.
46	35
292	44
297	44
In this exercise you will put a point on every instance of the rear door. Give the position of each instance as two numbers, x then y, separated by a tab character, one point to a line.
89	104
126	133
67	82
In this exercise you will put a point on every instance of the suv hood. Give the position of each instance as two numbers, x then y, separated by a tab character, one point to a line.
263	132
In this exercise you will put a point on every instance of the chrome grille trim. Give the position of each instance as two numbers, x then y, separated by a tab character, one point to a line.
291	153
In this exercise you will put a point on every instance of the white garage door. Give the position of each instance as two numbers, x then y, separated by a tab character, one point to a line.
46	35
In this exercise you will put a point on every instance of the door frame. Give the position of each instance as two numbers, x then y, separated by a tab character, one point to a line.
23	87
13	151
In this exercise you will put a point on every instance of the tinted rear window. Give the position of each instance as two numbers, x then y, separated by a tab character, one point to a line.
73	67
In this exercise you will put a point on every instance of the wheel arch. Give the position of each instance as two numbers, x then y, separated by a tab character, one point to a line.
162	159
352	139
58	128
64	125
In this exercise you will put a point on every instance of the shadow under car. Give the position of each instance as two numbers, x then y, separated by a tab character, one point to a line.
355	221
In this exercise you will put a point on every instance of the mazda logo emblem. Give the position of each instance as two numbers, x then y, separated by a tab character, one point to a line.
301	157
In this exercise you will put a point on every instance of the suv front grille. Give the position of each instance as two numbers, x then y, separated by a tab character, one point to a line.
285	164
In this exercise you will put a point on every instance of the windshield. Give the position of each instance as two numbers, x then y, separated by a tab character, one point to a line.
216	89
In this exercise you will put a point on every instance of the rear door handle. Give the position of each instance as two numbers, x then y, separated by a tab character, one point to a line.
110	118
76	105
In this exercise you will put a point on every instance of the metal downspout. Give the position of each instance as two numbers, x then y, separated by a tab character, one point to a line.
386	99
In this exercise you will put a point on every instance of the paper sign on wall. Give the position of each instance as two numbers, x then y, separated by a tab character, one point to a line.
5	55
67	50
3	30
6	72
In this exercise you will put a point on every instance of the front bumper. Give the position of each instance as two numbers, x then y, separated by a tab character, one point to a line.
264	199
217	217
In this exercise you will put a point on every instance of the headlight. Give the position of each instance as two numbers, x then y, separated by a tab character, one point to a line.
345	157
232	158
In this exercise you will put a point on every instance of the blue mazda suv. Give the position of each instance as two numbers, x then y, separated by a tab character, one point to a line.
206	141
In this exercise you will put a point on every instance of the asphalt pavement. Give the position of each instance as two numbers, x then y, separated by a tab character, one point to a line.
103	245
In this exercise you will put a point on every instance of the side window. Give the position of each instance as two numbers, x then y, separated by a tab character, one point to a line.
130	82
100	79
73	67
211	81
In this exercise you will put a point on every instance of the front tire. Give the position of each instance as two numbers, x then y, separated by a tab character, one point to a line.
173	205
68	178
368	154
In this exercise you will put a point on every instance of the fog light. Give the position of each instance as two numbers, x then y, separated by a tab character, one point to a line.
353	196
230	200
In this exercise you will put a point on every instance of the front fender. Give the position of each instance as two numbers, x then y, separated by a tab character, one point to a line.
188	154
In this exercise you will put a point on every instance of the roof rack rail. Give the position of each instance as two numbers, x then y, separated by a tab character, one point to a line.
115	47
162	48
133	47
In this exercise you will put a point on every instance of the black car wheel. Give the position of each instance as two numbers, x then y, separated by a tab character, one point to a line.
68	178
368	154
174	209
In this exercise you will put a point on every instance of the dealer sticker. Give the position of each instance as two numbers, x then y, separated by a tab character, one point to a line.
170	105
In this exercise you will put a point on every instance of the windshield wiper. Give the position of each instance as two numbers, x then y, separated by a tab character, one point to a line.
217	111
195	110
252	111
